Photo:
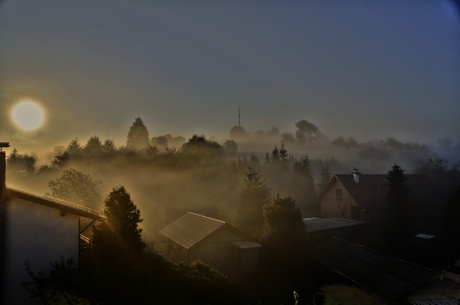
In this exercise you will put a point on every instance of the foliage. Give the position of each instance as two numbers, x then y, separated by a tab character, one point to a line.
306	132
76	187
324	178
230	147
238	132
138	135
59	287
199	151
304	176
108	147
449	234
93	147
117	256
284	231
398	216
253	197
17	162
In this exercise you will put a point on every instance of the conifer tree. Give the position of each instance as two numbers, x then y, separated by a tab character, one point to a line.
138	135
253	197
398	216
118	250
305	176
324	178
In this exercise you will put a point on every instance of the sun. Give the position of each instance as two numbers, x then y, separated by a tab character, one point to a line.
27	115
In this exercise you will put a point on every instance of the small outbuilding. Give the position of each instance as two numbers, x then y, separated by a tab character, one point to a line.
197	237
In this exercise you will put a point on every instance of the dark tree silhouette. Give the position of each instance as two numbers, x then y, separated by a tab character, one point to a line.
76	187
449	234
398	216
74	149
253	197
307	198
284	231
109	147
118	250
138	135
238	132
17	162
306	132
230	147
93	147
324	178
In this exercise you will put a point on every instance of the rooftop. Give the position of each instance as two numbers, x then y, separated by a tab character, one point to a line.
56	204
315	224
191	228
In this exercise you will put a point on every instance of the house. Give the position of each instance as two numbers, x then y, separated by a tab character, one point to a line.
197	237
39	230
362	197
394	279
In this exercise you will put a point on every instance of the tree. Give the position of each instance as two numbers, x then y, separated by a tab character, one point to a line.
288	138
253	197
284	231
74	149
324	178
93	147
306	132
398	216
230	147
118	250
449	234
76	187
17	162
304	175
108	147
138	135
238	132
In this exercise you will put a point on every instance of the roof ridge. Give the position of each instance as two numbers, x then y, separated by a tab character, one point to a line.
217	220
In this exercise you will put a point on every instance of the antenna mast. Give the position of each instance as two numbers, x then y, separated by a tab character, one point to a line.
239	122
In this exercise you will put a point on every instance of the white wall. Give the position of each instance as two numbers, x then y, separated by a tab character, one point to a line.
38	234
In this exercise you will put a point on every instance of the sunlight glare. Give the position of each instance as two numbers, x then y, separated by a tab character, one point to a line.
27	115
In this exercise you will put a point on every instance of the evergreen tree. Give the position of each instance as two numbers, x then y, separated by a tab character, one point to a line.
74	149
108	147
304	176
253	197
118	250
138	135
449	234
284	231
93	147
324	178
398	214
17	162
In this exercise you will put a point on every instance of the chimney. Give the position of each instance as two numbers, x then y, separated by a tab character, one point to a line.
356	174
3	167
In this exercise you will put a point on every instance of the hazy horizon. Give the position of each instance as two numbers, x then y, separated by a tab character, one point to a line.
367	70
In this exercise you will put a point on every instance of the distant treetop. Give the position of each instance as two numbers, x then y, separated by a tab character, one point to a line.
138	135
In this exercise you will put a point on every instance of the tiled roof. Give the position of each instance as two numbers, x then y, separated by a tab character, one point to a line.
390	277
371	189
56	204
191	228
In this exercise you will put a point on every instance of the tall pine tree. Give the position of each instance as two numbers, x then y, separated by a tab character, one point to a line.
138	135
304	176
398	216
253	197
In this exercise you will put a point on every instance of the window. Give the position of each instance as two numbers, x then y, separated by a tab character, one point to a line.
338	195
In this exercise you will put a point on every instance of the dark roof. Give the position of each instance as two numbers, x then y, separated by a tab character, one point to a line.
371	189
191	228
315	224
56	204
246	244
390	277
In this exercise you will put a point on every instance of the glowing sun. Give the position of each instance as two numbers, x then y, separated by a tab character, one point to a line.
27	115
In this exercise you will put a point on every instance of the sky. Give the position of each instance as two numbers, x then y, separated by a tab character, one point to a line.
368	69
